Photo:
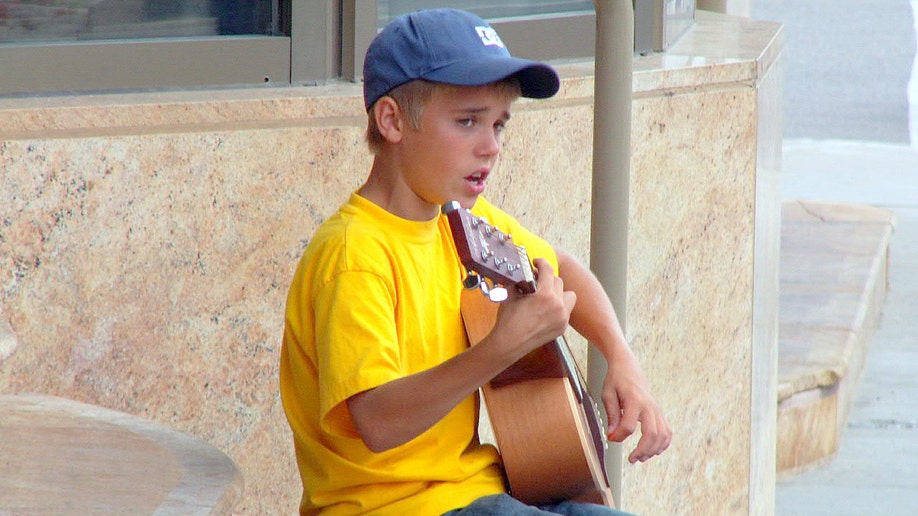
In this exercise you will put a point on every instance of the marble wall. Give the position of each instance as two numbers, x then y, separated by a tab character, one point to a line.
147	241
704	216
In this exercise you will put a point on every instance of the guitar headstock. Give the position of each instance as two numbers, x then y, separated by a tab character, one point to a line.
487	252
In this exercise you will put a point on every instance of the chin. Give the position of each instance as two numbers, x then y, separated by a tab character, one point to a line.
468	202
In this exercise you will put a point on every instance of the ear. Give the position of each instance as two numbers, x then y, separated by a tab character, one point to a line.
389	119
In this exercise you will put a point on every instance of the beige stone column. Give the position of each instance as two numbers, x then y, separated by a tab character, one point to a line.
611	179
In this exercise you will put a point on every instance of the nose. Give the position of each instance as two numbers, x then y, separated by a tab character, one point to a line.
489	144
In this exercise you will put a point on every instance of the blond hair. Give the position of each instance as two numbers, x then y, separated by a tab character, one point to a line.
411	98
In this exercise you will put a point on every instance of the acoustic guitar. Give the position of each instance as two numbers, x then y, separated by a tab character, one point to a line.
548	429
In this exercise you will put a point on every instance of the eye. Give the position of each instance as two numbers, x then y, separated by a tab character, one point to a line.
466	122
500	126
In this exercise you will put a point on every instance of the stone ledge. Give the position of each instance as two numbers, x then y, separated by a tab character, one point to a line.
834	265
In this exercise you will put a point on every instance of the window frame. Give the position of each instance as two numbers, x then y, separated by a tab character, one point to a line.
143	64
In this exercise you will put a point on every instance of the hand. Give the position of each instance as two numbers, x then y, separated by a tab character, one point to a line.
625	393
530	320
628	402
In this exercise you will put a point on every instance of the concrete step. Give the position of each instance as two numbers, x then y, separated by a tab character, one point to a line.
834	267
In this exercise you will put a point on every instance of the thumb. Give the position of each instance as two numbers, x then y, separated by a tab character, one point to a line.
614	415
570	300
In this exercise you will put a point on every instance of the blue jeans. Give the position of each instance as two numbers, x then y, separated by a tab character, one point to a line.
505	505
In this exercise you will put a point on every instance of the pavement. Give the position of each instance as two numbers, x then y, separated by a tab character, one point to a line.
875	471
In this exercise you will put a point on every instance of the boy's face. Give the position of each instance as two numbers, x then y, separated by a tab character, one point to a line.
457	145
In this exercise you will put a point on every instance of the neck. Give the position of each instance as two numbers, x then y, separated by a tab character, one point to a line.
386	190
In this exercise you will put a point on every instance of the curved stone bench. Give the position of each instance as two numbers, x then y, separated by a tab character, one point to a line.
59	456
8	340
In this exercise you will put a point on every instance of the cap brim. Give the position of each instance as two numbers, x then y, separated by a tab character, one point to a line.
537	80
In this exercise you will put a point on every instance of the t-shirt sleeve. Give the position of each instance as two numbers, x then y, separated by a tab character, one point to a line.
356	343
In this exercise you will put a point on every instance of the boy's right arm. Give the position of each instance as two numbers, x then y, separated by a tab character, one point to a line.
396	412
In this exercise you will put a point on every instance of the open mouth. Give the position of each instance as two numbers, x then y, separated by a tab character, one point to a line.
477	178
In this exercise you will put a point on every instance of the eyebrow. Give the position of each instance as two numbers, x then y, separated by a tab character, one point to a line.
476	110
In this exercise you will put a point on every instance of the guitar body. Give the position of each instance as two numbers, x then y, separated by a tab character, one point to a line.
545	435
540	433
542	430
547	427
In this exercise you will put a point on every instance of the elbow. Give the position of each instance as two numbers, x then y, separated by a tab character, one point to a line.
374	440
371	431
376	444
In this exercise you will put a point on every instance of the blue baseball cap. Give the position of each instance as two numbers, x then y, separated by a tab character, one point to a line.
451	47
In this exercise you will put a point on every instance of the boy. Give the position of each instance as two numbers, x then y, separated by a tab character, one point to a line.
377	378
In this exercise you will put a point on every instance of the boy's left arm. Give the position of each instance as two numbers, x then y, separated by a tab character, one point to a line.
625	392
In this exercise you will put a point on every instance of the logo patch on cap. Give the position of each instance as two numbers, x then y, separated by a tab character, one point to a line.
489	36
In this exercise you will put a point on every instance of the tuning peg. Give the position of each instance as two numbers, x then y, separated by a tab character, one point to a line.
495	294
471	280
498	294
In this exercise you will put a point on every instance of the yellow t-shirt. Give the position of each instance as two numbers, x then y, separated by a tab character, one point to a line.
375	298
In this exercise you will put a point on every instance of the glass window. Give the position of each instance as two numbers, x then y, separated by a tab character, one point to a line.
487	9
68	46
36	21
535	29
